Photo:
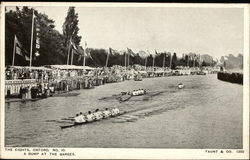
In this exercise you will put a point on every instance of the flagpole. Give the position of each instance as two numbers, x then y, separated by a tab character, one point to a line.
199	60
163	65
125	60
84	52
68	52
14	50
128	59
84	59
31	41
72	56
107	58
194	61
170	65
153	61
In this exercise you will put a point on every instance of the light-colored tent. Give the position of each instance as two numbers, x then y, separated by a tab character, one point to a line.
32	68
71	67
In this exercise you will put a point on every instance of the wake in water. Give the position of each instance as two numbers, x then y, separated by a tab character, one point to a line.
124	98
132	115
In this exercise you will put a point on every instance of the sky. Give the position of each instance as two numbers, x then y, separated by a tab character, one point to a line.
214	31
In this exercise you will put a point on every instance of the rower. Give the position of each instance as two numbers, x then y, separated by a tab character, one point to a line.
134	93
98	114
106	113
90	117
77	119
114	111
140	91
82	118
117	111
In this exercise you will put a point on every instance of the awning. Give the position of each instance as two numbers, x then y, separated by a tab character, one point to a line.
72	67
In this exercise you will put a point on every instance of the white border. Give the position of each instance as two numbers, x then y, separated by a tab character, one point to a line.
115	153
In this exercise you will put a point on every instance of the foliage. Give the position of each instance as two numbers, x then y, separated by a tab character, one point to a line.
70	27
54	46
19	23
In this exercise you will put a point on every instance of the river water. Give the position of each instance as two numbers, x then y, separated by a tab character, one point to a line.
207	113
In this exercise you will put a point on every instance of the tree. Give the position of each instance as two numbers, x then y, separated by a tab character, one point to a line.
70	27
19	23
174	61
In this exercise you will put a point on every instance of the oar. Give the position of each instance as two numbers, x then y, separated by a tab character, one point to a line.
68	126
125	99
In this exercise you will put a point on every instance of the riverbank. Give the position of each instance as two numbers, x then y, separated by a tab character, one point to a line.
231	77
201	115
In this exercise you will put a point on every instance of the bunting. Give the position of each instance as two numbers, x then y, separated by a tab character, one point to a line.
37	40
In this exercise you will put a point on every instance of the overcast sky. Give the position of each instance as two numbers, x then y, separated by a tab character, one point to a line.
214	31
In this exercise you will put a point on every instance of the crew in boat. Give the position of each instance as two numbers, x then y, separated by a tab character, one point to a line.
106	113
90	116
98	114
136	92
114	111
82	118
180	85
117	111
133	93
141	91
77	119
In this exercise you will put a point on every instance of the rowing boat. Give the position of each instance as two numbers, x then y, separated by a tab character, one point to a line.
77	124
67	94
180	85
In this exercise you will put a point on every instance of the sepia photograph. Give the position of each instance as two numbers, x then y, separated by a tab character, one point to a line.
124	76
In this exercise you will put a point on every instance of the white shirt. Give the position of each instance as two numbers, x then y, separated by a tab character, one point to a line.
98	115
90	117
77	119
114	112
107	113
117	111
82	118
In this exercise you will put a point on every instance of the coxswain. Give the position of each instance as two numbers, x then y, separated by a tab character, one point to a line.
77	119
106	113
98	114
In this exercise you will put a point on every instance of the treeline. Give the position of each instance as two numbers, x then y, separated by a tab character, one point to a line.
52	49
232	62
54	45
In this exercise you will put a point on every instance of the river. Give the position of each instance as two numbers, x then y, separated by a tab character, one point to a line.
207	113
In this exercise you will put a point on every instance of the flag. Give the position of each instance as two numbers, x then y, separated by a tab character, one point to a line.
156	54
113	52
73	45
80	51
130	52
142	54
20	50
